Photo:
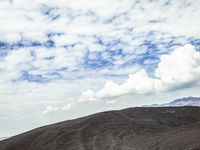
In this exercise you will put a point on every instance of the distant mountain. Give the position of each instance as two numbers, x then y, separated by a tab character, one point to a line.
3	138
152	128
188	101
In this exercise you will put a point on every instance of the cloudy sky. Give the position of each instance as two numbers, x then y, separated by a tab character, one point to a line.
62	59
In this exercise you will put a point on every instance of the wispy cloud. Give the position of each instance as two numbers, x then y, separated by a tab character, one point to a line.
50	109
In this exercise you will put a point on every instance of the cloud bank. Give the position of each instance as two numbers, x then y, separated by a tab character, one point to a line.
176	70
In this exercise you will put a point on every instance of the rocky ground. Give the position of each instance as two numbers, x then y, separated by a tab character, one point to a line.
167	128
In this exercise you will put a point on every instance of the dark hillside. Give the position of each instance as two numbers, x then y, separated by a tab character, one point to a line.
166	128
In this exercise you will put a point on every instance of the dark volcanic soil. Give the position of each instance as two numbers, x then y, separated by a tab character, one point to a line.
175	128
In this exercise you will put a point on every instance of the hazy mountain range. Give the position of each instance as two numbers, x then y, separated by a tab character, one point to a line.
187	101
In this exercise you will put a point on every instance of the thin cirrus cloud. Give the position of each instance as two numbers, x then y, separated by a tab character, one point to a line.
180	69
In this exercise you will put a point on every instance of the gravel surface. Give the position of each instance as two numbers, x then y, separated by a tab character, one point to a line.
167	128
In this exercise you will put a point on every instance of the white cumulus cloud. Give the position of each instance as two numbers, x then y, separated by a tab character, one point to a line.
177	70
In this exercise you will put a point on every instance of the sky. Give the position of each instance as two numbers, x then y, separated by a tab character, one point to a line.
65	59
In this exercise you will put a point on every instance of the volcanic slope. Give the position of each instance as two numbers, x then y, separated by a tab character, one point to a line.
166	128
